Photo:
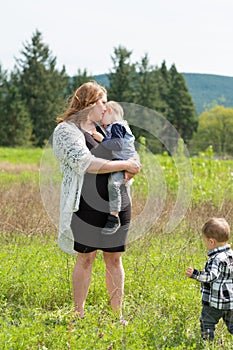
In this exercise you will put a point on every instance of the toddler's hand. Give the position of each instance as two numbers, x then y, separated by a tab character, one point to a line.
97	136
128	176
189	271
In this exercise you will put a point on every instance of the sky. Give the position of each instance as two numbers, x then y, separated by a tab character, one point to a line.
195	35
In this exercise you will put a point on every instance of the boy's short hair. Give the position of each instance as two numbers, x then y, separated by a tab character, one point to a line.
217	228
117	109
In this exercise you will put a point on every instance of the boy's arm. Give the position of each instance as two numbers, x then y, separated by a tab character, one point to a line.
107	142
192	273
97	136
118	131
115	141
210	273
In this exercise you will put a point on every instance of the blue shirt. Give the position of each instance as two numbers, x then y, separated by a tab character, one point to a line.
120	140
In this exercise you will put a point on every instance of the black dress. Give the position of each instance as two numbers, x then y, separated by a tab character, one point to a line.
91	217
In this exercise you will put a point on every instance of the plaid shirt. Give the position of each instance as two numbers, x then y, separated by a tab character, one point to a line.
217	278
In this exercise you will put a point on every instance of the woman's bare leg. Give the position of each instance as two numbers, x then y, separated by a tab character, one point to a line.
115	280
82	279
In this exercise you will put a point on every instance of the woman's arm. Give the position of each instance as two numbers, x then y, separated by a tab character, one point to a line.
102	166
69	147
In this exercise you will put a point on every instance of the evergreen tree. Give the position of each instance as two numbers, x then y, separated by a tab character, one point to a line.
145	84
42	87
146	94
163	81
3	81
182	113
15	121
121	77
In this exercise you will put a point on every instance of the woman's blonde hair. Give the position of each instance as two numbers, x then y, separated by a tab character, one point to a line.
82	101
217	228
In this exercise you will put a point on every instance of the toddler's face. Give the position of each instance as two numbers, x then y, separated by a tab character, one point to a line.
107	118
210	243
207	242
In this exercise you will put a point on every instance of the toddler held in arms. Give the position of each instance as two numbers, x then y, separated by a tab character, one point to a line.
120	140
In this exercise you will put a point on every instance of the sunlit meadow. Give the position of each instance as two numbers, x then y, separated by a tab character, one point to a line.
160	303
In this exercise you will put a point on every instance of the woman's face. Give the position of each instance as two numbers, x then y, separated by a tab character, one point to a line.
98	110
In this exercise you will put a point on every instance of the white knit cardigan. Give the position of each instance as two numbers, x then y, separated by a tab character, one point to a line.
74	157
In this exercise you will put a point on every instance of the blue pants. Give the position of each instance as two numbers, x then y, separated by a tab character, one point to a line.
115	181
210	317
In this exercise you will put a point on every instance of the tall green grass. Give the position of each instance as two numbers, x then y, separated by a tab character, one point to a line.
161	304
20	155
19	165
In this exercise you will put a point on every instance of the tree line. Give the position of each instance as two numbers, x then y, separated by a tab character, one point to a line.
35	93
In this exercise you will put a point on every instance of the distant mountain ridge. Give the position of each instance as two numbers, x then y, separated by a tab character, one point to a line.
207	90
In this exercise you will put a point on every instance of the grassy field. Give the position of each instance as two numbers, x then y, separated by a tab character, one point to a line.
161	304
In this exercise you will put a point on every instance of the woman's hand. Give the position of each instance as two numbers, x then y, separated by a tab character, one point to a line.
133	166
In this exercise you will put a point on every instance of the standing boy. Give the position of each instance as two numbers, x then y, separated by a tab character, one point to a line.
216	278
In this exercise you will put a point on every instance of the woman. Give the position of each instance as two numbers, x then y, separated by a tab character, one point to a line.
83	204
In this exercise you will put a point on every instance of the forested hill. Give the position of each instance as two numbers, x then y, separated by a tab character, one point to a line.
207	90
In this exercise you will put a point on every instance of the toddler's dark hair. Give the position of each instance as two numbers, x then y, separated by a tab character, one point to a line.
217	228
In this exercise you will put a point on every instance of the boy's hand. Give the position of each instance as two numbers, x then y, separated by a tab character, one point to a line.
128	176
189	271
97	136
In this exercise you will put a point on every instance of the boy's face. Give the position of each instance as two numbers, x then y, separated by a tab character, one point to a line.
210	243
108	117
